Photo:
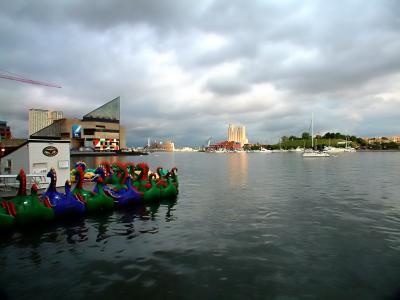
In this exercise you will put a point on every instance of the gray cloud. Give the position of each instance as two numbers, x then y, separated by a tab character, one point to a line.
185	70
226	87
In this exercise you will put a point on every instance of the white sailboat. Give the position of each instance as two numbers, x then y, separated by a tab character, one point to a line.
311	152
349	148
331	149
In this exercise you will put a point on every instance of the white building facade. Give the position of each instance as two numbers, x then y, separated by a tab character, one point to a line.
38	157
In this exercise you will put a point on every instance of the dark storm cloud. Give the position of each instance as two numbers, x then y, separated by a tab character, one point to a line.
227	86
184	69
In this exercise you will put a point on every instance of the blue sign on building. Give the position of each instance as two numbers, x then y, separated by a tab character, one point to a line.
76	131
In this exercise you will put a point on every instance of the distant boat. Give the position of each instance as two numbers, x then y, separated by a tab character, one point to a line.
239	151
220	150
279	151
331	149
311	152
298	149
263	150
349	148
315	153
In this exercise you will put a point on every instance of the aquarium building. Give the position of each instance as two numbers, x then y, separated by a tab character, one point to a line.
98	130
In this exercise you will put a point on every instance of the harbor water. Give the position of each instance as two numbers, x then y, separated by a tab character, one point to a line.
245	226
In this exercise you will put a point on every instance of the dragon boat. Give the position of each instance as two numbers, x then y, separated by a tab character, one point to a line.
124	193
152	192
62	204
94	200
111	173
116	185
141	180
168	188
119	176
81	193
168	182
28	208
7	215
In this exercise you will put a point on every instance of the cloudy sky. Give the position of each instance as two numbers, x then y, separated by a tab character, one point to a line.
186	69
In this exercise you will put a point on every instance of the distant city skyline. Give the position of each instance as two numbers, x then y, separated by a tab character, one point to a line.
185	70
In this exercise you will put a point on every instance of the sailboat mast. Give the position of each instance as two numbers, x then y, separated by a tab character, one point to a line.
312	130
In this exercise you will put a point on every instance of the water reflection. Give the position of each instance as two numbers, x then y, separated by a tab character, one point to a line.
297	230
77	233
127	223
167	160
238	169
94	161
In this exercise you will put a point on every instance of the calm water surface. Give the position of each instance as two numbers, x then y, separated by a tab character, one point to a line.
245	226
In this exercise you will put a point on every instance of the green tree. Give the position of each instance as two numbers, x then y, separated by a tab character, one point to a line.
361	142
391	145
305	135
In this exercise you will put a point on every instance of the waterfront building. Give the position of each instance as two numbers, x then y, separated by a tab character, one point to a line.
167	146
225	145
237	134
185	149
98	130
395	139
5	131
37	157
41	118
8	145
372	140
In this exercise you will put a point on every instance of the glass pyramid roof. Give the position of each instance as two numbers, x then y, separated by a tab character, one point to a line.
51	131
107	112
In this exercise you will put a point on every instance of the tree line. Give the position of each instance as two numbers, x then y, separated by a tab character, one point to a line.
328	135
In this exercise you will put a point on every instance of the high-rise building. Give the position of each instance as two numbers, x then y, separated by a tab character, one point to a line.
41	118
55	115
237	134
5	132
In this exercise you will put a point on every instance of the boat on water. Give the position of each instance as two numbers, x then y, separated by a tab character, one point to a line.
239	151
298	149
279	151
221	150
263	150
349	149
117	185
309	153
331	149
315	153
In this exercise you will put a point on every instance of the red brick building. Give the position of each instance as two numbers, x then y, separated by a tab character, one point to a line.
228	145
5	131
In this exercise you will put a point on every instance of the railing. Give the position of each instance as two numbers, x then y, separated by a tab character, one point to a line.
9	182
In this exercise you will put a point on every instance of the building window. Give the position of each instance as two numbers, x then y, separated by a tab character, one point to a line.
89	131
8	168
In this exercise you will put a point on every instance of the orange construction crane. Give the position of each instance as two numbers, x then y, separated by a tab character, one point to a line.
27	80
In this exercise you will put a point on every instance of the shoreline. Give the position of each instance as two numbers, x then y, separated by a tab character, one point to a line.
108	153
